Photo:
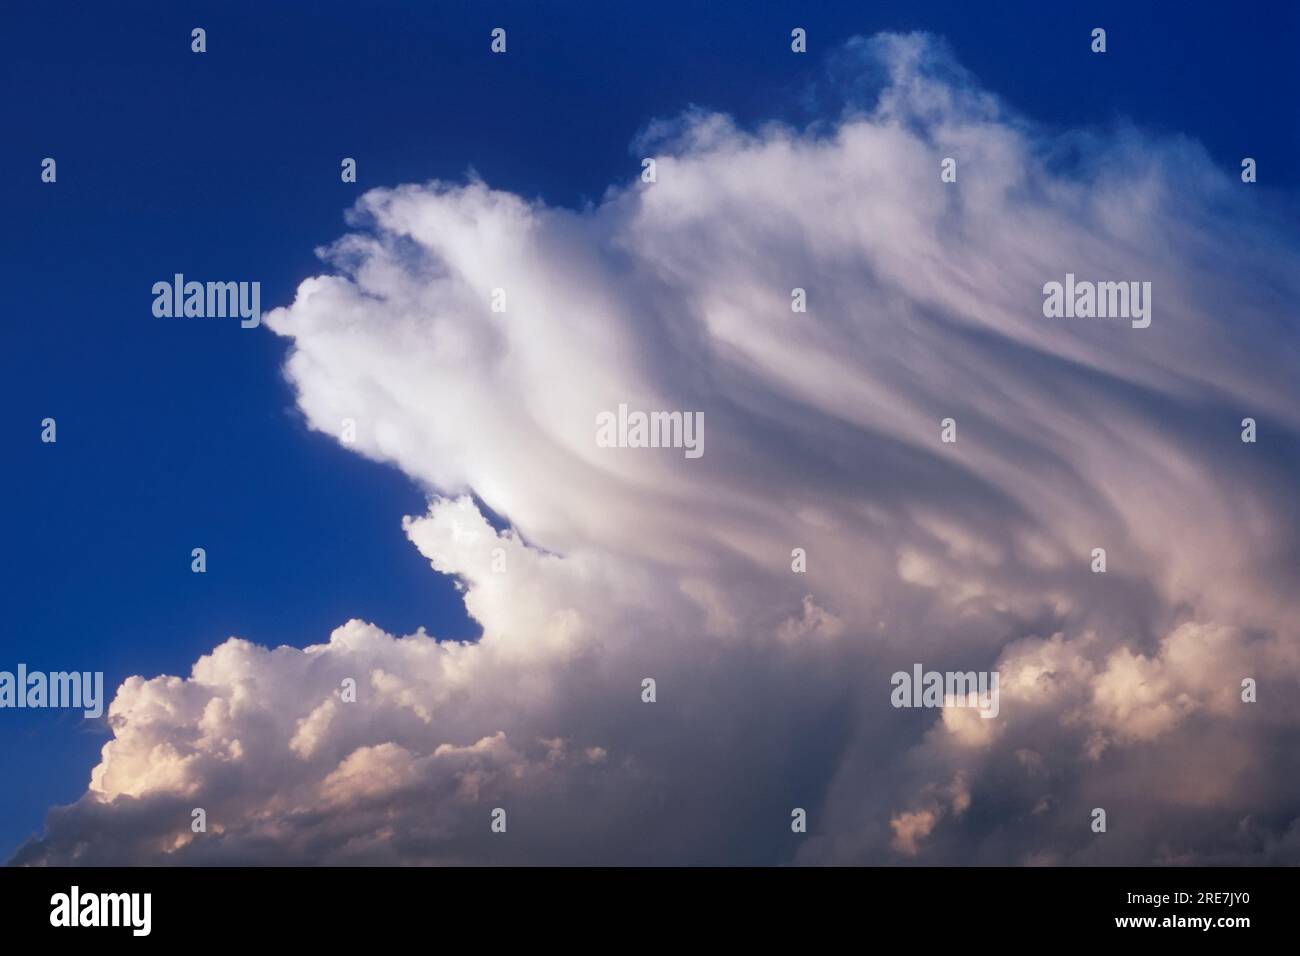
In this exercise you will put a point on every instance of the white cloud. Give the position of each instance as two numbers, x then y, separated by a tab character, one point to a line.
823	433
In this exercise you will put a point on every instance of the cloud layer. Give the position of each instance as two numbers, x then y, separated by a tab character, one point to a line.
822	432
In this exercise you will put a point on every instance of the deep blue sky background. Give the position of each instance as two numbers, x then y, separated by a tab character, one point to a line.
177	434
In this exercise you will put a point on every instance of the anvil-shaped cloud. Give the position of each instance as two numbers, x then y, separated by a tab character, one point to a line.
1119	690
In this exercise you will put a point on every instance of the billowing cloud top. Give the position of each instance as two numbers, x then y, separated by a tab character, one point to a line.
822	431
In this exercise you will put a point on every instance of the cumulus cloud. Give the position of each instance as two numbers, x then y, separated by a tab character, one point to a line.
1119	690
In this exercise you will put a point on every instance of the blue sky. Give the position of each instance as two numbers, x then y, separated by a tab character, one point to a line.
174	435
